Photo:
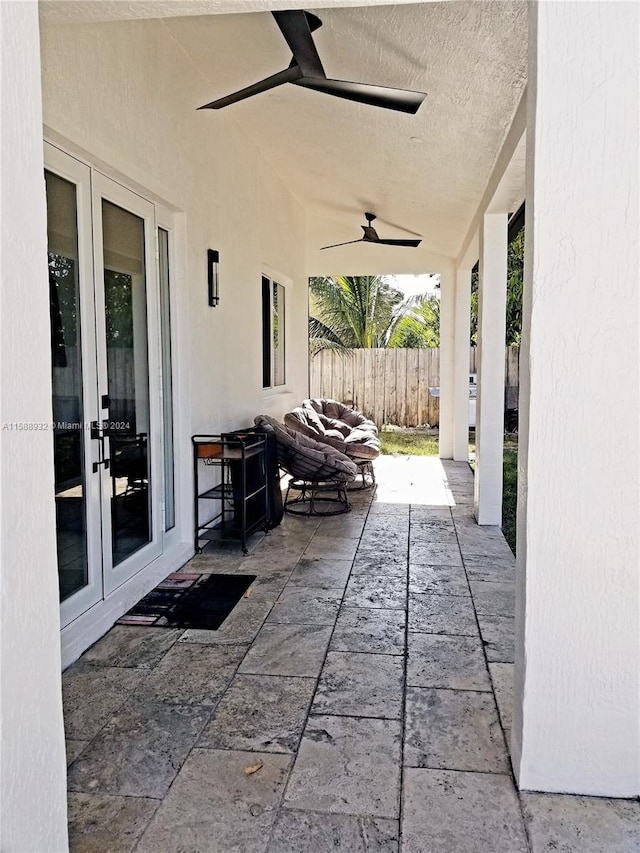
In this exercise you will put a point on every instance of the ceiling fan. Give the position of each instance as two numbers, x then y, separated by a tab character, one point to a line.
306	70
371	236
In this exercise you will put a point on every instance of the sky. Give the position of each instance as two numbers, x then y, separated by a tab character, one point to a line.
412	285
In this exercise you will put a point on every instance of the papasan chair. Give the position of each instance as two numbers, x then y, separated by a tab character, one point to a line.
319	473
341	427
340	412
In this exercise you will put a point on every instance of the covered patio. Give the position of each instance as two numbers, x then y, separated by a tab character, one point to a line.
157	277
367	675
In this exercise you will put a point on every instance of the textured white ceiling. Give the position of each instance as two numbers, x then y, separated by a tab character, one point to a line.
123	10
422	175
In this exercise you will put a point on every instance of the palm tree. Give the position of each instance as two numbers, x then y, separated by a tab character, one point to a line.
350	312
416	323
354	312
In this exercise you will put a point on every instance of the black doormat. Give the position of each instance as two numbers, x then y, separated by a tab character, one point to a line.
189	601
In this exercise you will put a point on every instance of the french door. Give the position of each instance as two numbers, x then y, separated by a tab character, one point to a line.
107	420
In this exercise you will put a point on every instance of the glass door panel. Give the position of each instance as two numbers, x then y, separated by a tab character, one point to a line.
66	360
73	372
127	322
167	385
107	408
127	428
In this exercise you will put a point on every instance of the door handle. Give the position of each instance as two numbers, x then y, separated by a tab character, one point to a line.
97	434
97	431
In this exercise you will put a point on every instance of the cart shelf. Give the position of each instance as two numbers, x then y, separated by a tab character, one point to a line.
241	490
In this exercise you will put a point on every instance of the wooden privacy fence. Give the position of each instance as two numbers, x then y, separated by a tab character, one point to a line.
391	386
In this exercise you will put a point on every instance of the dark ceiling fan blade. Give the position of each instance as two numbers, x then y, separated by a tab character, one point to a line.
348	243
314	21
296	26
289	75
371	235
413	243
402	100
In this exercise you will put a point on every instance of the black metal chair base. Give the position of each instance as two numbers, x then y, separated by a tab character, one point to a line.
366	476
326	497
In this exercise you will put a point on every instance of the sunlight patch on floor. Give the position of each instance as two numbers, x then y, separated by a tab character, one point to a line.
412	480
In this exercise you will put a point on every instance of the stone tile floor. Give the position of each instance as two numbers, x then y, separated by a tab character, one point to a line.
367	674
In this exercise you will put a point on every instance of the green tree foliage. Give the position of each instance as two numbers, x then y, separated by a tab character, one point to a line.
350	312
515	268
515	275
354	312
416	324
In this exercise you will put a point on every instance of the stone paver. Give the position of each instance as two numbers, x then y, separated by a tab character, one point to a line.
349	766
488	571
497	634
439	580
92	694
360	629
74	748
442	614
332	547
260	712
454	729
558	822
371	591
288	650
302	832
306	606
502	675
129	646
192	674
380	563
435	554
139	752
304	683
494	599
458	812
438	660
99	822
360	685
215	807
320	573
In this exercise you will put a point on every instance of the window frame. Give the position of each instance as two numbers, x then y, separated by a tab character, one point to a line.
276	287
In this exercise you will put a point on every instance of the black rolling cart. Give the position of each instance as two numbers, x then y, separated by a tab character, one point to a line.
238	501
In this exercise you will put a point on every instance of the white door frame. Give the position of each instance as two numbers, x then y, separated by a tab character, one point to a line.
91	187
79	174
109	190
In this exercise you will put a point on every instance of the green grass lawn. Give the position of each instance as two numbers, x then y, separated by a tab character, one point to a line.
510	490
409	443
426	444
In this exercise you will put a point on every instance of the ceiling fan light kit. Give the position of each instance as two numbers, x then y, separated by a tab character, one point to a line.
306	70
371	236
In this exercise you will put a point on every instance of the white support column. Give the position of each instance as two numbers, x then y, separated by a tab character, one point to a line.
492	306
447	310
461	365
578	599
33	800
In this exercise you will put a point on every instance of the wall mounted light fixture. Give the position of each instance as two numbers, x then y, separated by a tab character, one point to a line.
213	259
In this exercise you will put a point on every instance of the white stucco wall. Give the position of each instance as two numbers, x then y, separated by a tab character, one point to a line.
32	769
577	720
127	94
447	363
492	301
462	329
122	96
